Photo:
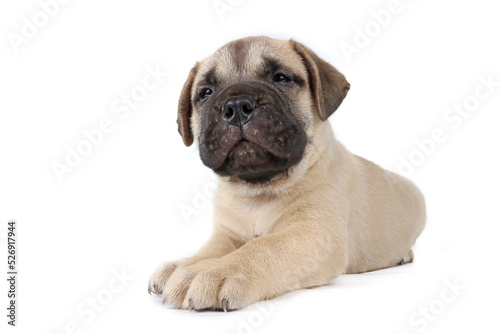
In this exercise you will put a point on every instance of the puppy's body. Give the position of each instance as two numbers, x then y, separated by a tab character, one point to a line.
293	207
373	216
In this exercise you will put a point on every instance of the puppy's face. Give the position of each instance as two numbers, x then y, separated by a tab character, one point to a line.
251	105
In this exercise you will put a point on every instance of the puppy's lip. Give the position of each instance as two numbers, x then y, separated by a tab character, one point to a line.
254	141
242	141
245	140
265	166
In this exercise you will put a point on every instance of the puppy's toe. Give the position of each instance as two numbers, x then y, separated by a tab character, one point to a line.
234	294
203	292
408	258
177	286
160	277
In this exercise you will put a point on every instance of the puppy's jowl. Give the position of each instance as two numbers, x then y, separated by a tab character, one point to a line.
293	208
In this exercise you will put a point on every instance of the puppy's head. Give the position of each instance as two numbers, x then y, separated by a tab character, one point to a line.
252	105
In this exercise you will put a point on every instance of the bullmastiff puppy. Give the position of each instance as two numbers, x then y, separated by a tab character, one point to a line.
293	207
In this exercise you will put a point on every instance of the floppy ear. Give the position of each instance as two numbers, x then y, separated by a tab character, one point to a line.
328	86
185	109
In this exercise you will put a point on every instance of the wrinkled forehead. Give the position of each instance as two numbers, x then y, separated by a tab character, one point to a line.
249	58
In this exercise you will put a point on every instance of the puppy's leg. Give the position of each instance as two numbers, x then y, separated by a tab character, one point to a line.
300	256
218	245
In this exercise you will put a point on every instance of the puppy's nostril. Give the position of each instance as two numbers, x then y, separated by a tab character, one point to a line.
228	112
247	108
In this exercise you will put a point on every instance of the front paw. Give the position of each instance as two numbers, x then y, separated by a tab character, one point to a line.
208	284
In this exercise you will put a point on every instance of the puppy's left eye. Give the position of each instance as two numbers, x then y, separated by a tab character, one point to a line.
280	77
205	93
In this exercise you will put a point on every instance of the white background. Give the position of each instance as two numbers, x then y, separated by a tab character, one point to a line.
120	208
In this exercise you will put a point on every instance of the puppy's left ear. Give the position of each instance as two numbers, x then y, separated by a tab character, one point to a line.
328	86
185	109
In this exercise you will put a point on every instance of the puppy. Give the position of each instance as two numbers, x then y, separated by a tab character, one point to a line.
293	207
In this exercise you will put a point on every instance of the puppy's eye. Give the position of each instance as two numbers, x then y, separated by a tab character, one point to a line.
205	93
280	77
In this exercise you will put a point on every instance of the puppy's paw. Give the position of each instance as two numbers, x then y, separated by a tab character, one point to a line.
208	284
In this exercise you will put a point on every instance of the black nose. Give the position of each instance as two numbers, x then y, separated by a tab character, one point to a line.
238	110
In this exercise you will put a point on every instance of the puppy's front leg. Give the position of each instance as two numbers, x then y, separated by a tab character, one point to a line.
219	244
302	255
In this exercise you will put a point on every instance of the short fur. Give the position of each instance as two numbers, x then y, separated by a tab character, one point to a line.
328	213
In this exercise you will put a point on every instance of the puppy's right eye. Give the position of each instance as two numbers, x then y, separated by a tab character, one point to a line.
205	93
280	77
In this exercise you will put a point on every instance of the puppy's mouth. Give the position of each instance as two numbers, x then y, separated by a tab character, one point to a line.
252	163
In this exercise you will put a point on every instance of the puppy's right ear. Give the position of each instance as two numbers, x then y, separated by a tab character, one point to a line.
185	109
